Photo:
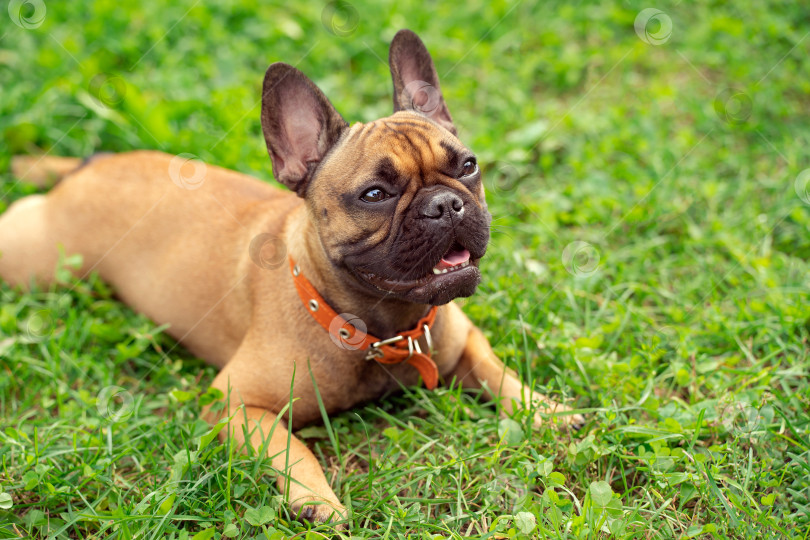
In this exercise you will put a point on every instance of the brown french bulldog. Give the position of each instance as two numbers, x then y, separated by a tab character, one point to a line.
335	281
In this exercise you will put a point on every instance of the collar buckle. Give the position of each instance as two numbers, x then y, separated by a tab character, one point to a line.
375	349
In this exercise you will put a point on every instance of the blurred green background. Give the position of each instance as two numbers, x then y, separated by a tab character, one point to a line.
648	175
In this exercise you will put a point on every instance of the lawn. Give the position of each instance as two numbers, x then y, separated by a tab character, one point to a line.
649	177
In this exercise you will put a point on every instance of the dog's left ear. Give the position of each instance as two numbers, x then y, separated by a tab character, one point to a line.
416	83
300	125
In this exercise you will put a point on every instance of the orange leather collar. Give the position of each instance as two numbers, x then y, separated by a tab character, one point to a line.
403	347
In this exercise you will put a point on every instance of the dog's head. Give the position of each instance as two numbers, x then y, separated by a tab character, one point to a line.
398	203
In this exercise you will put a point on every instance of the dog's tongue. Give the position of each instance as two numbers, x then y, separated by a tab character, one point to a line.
453	258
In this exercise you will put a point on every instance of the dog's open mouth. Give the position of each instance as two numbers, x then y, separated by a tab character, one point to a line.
456	270
456	258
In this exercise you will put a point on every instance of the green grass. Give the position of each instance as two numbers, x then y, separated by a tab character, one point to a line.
681	325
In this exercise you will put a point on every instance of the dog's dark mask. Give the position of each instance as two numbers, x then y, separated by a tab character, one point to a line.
398	203
419	220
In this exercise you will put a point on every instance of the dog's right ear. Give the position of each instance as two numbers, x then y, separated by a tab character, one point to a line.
300	125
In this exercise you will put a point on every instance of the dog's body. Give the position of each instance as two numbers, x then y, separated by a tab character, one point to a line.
205	285
182	257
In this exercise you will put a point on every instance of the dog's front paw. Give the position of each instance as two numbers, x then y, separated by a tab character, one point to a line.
557	414
319	510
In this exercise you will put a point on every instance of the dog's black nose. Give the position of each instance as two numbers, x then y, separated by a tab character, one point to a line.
444	203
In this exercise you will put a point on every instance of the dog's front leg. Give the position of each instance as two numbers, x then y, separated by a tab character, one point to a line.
479	367
301	477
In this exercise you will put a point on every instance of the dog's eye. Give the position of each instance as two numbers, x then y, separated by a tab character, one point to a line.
469	168
374	195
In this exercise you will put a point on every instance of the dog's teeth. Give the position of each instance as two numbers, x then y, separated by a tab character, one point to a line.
459	266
